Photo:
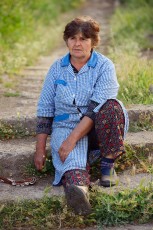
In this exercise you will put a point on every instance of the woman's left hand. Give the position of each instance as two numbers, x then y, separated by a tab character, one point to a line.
66	147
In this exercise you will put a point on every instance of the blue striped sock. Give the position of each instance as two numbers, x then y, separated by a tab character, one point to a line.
107	166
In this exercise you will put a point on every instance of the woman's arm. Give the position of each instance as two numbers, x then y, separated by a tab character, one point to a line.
40	154
79	131
43	130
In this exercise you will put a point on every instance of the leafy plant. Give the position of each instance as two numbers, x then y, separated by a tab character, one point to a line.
28	29
131	26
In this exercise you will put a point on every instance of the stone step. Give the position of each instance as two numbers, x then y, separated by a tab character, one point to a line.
137	112
17	154
44	187
15	193
143	139
23	114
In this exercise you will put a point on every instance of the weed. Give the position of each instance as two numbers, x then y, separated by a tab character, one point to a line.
48	168
10	131
9	94
137	157
121	207
144	123
8	84
134	71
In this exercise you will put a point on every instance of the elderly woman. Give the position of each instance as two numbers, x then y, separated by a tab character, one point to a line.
78	103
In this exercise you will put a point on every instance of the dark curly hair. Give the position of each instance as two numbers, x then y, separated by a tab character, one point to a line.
86	25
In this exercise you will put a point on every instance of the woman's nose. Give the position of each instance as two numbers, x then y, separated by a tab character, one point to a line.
77	42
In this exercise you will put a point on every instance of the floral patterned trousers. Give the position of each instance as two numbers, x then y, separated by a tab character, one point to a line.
105	138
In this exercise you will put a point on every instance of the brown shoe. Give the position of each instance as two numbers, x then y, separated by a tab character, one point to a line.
78	200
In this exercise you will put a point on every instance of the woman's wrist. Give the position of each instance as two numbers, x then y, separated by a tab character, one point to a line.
72	138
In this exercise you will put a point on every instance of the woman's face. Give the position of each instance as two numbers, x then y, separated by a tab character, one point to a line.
79	47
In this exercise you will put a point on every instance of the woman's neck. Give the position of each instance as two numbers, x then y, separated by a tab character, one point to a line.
78	63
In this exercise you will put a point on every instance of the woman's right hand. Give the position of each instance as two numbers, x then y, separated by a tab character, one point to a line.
39	159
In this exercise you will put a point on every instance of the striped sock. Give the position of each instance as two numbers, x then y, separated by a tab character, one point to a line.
107	166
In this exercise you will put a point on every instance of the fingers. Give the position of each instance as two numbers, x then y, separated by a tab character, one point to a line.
39	161
62	156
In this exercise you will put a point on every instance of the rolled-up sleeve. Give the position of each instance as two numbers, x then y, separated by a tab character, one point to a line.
44	125
106	86
46	105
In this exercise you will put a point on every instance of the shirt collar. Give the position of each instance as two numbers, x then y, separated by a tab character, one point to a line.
92	61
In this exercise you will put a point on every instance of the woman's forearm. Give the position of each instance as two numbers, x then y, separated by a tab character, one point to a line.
82	129
41	141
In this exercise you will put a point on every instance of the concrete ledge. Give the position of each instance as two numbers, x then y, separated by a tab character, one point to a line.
28	122
16	154
137	112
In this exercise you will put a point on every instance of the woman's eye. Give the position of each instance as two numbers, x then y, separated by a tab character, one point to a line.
84	39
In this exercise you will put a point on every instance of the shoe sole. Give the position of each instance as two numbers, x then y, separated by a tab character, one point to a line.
77	200
107	183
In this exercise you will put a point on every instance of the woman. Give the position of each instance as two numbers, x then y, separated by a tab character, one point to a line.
78	102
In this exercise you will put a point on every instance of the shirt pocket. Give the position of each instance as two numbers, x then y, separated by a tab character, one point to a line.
61	86
83	96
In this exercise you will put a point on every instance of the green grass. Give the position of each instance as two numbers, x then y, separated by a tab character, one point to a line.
132	24
8	94
28	29
123	207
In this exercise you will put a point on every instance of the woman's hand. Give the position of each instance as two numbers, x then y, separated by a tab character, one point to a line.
78	132
66	147
40	154
39	159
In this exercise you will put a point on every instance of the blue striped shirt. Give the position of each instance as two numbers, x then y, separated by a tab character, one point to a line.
95	81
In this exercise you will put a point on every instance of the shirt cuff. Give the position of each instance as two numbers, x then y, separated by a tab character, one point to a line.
90	113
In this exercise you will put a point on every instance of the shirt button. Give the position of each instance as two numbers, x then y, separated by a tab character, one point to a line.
75	78
73	95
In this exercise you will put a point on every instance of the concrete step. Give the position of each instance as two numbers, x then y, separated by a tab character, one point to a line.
44	186
24	112
36	191
142	139
16	154
137	112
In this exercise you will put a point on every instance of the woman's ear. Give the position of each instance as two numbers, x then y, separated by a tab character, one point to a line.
66	42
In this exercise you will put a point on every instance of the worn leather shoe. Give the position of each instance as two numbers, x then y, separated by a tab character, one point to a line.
77	199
